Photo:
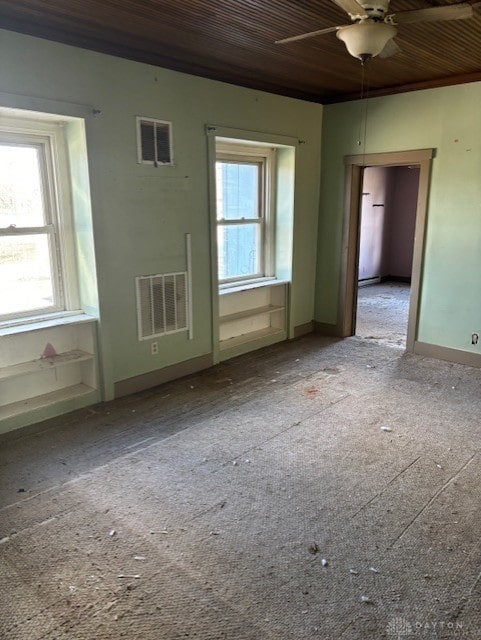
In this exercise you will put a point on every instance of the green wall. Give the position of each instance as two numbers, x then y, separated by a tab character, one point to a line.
449	121
140	213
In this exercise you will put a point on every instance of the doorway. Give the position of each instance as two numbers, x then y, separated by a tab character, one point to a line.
350	266
388	208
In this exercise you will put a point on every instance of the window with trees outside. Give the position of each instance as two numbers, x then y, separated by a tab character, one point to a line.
35	277
244	212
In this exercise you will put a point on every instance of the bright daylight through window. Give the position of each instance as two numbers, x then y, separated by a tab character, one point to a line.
31	268
244	221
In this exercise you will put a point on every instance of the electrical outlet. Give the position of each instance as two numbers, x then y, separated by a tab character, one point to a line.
154	348
474	338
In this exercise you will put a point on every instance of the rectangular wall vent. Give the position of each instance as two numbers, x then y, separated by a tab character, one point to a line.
154	142
162	304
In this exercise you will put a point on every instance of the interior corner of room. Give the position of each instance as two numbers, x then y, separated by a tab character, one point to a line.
240	319
153	258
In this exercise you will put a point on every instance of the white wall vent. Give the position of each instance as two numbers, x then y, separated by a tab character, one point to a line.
154	142
162	304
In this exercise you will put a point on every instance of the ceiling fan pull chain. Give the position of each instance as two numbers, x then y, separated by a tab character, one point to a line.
363	74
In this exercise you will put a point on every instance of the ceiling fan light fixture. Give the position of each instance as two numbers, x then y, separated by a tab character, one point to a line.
366	38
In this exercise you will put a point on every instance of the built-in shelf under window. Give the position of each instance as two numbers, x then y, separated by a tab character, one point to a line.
251	317
47	368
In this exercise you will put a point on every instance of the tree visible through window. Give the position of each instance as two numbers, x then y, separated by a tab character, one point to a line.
242	216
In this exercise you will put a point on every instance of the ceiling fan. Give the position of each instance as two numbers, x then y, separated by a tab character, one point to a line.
374	27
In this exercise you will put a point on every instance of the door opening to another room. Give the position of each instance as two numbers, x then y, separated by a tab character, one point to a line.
360	257
386	243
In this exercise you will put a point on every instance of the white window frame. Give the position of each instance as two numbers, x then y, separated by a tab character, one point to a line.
265	157
48	136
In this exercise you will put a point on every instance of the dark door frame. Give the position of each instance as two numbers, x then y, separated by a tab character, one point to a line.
351	233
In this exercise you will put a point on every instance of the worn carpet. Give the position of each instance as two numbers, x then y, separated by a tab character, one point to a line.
316	489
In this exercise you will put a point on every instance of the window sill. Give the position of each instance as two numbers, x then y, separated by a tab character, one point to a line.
245	286
44	322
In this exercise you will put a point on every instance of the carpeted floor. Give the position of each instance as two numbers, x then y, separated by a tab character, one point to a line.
317	489
382	313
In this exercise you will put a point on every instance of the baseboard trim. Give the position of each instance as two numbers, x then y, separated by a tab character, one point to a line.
330	330
365	282
446	353
154	378
303	329
405	279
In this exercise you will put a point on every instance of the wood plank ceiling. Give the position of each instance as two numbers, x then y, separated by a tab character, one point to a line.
233	41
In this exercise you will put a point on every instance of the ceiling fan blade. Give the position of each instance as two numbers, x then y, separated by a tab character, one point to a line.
311	34
449	12
390	49
352	7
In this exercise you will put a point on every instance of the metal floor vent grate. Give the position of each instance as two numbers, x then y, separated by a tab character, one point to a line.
162	304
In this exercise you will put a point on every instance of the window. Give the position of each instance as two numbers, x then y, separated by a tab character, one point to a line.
154	142
34	217
244	188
